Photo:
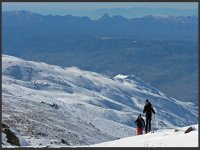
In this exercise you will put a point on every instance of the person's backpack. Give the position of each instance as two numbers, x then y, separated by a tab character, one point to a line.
148	107
139	123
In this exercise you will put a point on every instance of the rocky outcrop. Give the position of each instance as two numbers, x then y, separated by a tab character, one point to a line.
10	136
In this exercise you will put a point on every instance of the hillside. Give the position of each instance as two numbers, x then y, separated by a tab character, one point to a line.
51	105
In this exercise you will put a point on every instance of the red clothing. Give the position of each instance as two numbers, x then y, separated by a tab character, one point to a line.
139	131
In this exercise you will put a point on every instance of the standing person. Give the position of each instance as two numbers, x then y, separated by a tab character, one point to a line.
140	124
148	109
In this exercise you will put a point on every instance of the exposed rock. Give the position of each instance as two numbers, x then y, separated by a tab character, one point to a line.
176	130
11	137
189	129
64	142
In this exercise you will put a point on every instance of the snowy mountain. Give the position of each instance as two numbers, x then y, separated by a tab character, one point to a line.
171	40
51	105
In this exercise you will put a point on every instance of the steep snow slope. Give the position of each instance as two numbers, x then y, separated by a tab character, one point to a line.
68	106
161	138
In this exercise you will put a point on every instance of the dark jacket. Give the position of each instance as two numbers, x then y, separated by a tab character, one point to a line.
140	122
148	109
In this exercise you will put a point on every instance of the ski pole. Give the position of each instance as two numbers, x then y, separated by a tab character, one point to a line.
154	122
157	121
154	118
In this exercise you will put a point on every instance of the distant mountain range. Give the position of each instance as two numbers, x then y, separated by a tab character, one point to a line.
134	12
138	12
148	27
162	50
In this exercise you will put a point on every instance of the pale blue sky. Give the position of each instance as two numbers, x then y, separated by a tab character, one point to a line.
52	6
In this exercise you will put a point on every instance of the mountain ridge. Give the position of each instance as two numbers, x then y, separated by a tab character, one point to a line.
105	15
129	12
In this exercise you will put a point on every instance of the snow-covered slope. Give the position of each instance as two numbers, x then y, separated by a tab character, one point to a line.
161	138
50	105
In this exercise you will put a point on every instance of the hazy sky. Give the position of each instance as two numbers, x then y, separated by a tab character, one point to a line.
60	7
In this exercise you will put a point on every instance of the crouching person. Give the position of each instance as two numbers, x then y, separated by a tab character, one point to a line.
140	124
